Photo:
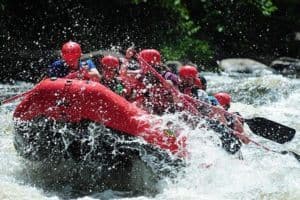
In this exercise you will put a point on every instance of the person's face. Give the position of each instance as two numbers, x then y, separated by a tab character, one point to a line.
188	81
71	60
129	53
73	64
110	73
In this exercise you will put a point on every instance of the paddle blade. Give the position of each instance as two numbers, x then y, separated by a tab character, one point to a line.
270	130
297	156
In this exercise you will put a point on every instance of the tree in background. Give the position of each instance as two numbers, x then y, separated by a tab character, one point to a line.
204	25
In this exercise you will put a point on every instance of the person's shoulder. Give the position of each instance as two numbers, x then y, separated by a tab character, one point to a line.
169	74
202	92
211	97
90	63
57	62
213	100
57	69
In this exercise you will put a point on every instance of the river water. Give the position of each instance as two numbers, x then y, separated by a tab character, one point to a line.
260	175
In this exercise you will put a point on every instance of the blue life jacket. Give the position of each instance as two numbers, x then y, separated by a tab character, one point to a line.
59	68
213	100
89	64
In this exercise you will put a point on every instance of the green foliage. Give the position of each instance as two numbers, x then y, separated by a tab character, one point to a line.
3	4
137	1
265	6
185	23
219	21
187	46
194	49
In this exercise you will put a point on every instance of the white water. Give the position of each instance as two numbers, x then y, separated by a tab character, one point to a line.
261	175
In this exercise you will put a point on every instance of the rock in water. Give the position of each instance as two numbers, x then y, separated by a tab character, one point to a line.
244	65
287	66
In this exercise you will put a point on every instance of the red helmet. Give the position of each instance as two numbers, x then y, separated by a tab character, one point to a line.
71	51
188	71
223	98
151	56
110	62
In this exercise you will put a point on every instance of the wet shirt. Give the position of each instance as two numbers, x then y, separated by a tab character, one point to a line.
115	85
201	95
213	101
172	77
133	64
156	98
59	68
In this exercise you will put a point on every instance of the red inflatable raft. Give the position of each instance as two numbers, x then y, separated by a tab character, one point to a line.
75	102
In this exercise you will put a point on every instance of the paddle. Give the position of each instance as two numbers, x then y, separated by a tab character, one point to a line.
271	130
297	156
22	94
14	97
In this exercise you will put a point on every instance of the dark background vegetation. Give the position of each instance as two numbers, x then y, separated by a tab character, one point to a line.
200	31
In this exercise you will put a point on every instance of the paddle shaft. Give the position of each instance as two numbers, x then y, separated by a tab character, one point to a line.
15	97
279	152
20	95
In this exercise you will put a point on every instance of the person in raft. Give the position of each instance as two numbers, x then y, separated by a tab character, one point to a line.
151	93
130	63
70	65
234	120
111	78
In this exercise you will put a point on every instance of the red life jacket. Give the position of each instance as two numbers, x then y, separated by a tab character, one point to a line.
188	91
155	98
158	100
81	74
133	85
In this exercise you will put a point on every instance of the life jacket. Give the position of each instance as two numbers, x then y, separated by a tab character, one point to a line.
134	89
171	77
117	86
190	90
234	121
81	74
148	93
158	99
60	69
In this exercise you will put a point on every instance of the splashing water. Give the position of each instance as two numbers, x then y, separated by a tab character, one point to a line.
210	172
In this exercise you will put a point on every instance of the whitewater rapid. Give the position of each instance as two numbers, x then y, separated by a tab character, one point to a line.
210	173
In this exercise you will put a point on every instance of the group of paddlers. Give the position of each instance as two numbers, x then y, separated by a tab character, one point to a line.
141	78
